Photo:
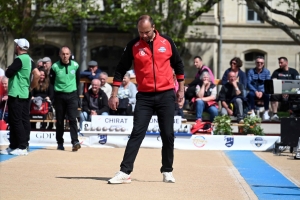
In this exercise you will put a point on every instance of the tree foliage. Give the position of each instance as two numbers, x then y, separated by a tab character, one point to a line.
25	18
171	17
262	8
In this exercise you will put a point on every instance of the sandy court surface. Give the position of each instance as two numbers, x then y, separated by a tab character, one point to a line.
51	174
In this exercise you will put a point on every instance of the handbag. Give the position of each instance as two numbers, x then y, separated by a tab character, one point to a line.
42	110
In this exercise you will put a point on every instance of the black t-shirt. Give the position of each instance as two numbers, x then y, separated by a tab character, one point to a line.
285	75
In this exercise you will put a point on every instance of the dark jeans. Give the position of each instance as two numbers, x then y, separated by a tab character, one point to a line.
252	97
146	104
66	103
19	122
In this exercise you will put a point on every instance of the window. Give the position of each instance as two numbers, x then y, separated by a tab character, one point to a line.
107	57
252	16
41	51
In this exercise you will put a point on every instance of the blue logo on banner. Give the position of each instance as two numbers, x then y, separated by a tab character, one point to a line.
103	139
229	140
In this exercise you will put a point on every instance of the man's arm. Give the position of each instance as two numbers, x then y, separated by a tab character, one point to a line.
13	68
249	79
52	76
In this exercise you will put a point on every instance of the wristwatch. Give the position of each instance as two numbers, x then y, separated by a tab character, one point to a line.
237	89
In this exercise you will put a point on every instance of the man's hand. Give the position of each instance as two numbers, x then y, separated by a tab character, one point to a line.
113	102
230	112
258	94
180	96
5	98
93	112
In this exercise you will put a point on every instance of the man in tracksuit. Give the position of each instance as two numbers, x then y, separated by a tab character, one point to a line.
154	57
65	76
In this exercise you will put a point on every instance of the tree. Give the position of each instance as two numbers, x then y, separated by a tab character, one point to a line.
291	13
27	17
171	17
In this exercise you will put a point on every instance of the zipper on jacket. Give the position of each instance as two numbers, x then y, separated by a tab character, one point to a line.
151	48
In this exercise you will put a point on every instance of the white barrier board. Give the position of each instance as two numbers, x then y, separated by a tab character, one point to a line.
153	140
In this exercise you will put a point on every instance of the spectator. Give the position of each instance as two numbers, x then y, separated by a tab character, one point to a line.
39	63
132	73
283	73
19	86
126	94
235	66
104	85
232	97
256	78
47	63
4	97
206	93
94	102
45	91
65	76
153	68
92	72
190	89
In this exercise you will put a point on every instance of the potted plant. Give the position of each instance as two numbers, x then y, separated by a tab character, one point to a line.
251	126
222	125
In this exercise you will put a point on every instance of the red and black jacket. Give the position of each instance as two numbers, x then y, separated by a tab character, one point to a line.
153	68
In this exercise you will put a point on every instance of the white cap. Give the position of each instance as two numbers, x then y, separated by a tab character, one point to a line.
22	43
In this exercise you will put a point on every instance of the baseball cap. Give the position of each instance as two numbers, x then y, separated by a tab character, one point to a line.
22	43
92	63
46	59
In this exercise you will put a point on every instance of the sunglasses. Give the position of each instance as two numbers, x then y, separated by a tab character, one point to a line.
261	63
233	63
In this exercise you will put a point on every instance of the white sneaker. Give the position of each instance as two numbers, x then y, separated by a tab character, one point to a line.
275	118
266	116
19	152
6	151
168	177
120	177
252	114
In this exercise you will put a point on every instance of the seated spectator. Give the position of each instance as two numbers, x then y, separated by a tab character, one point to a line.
235	66
283	73
206	93
126	95
231	97
92	72
47	63
256	78
45	91
104	85
94	102
39	63
4	97
190	89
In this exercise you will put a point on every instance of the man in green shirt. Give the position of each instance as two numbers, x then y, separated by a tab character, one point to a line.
65	76
19	87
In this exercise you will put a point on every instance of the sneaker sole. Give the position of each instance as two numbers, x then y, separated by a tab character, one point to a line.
168	181
123	182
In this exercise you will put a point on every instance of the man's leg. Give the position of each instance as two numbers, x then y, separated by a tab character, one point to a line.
83	117
142	115
26	120
239	109
60	112
224	111
14	115
251	99
266	99
72	106
165	107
